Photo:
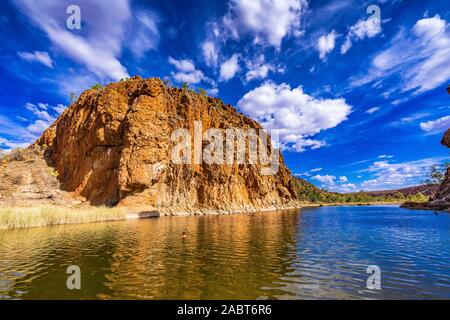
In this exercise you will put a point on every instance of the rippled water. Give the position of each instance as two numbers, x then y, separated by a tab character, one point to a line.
315	253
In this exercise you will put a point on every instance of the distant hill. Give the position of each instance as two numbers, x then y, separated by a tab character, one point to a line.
307	192
427	190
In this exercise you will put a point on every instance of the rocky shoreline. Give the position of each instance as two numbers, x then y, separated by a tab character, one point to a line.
437	205
135	213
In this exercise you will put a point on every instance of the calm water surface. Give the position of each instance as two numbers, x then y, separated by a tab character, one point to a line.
313	253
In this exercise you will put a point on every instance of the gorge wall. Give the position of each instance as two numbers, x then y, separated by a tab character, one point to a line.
113	147
443	193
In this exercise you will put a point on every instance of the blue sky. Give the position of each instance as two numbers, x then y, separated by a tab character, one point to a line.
360	105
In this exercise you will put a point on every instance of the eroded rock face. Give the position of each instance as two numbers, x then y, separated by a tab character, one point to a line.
446	139
113	146
443	193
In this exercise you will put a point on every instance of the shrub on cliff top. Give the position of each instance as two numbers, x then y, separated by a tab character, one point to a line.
72	97
97	86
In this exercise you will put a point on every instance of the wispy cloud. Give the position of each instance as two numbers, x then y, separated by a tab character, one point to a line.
389	175
419	58
372	110
37	56
362	29
436	126
103	32
385	156
210	53
382	175
145	35
39	117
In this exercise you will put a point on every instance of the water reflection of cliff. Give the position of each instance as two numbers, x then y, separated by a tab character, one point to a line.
33	262
222	257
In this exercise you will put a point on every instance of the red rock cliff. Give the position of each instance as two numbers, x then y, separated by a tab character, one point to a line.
113	146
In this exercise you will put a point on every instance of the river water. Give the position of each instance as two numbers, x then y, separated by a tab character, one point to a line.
314	253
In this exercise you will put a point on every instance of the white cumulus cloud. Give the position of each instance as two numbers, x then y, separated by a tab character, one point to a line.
326	44
259	72
257	68
294	114
229	68
325	179
186	71
267	21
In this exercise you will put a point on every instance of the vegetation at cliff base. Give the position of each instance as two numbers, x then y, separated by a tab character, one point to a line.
15	218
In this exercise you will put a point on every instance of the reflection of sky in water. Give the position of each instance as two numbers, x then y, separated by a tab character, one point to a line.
319	253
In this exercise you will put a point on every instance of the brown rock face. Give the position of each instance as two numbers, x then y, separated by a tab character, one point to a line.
113	146
446	139
443	193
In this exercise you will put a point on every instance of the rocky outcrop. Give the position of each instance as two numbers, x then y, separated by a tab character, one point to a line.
446	139
26	180
443	193
441	200
114	147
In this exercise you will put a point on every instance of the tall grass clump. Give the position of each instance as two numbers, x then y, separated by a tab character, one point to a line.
16	218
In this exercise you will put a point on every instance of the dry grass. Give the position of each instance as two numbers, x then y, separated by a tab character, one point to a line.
16	218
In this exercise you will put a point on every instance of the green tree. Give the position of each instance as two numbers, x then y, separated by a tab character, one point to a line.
419	197
185	86
167	83
73	97
398	195
436	174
